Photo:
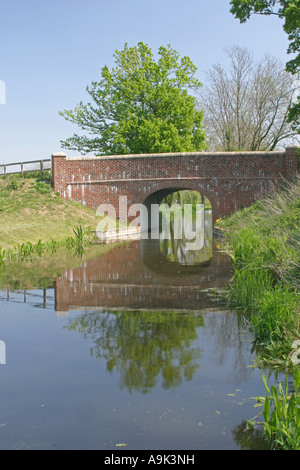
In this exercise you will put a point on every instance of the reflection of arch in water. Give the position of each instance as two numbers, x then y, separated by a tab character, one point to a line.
171	257
157	262
151	202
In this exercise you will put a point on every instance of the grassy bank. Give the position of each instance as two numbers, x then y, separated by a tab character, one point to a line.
264	244
31	211
41	234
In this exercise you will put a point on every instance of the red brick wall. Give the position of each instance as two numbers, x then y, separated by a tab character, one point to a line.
229	180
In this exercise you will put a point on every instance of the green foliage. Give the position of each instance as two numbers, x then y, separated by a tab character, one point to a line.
140	106
294	115
144	346
277	314
27	251
43	187
289	11
47	175
82	238
2	256
33	211
263	242
281	412
186	197
14	184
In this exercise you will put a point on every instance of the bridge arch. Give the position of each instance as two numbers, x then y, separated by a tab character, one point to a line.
156	194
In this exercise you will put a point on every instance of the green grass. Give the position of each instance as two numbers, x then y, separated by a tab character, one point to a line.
264	244
41	234
30	211
281	414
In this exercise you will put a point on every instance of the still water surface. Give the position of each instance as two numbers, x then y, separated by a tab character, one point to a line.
128	348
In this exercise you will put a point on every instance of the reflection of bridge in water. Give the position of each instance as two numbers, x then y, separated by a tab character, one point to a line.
130	277
138	276
160	274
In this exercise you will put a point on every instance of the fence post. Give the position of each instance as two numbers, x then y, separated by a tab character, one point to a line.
42	169
22	170
44	297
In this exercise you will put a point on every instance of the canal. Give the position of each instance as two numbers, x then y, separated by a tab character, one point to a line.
127	350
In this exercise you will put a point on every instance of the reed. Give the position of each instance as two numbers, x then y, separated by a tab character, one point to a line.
281	414
264	244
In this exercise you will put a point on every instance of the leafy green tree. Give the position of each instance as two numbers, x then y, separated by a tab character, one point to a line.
289	11
142	105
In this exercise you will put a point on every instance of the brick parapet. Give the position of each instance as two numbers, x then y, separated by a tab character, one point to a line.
292	161
230	180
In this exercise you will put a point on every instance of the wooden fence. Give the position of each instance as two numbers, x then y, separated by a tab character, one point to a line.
25	167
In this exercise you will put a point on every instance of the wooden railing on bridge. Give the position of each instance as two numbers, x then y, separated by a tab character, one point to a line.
25	167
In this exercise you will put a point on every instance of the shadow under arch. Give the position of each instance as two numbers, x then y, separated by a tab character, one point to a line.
157	262
152	199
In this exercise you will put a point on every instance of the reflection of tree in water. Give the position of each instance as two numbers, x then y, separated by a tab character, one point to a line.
143	345
230	327
183	250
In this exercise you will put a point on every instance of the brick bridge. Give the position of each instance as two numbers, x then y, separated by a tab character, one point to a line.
229	180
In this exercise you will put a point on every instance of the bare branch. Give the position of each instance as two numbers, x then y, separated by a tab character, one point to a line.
247	108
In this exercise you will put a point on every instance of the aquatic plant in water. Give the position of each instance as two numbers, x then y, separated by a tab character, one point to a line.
281	413
28	251
80	240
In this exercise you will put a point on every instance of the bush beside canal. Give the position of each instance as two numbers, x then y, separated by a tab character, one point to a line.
264	244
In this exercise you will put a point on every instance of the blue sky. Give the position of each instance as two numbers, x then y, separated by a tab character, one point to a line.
50	50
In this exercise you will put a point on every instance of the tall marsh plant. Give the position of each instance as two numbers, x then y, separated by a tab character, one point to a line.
79	241
281	412
264	244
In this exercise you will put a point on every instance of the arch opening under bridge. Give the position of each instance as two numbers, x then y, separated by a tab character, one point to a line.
171	200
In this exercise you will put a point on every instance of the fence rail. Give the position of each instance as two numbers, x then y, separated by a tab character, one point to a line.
25	167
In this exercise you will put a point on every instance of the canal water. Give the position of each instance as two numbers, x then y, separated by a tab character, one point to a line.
128	351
